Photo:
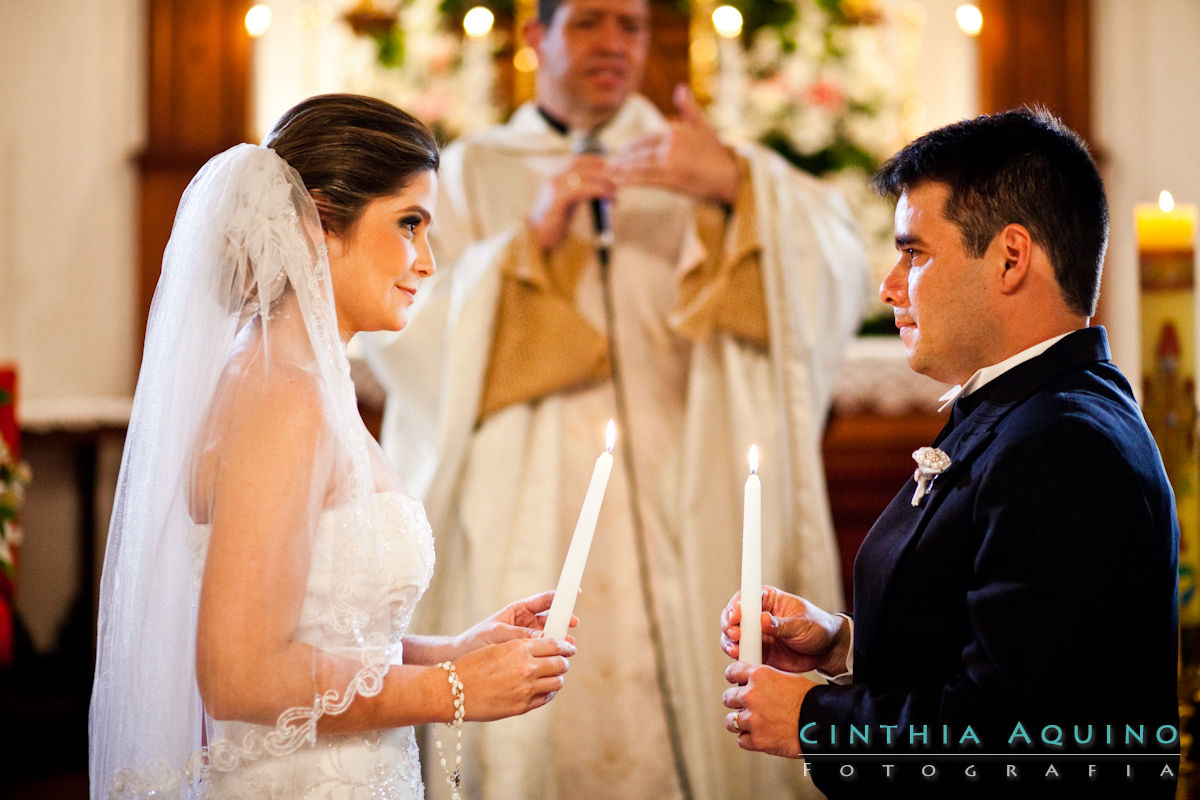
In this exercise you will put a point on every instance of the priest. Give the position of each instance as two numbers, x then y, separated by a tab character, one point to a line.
598	262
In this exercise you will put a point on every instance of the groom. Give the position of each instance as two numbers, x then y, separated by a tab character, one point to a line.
1015	608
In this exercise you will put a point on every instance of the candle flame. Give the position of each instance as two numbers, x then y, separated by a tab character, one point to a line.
478	22
610	435
753	458
969	19
728	21
1166	202
258	19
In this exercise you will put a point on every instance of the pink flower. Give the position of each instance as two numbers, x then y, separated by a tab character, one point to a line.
433	106
825	94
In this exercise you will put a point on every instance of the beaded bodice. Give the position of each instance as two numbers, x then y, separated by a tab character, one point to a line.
377	576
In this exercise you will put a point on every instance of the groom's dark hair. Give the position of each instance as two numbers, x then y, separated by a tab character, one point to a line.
1023	166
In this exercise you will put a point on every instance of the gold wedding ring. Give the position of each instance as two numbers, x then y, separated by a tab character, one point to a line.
737	716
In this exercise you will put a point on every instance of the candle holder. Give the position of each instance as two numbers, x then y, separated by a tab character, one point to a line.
1189	697
1166	268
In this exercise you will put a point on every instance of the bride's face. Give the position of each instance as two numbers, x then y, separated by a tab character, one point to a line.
377	266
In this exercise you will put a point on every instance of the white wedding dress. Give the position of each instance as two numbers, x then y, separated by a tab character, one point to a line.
378	764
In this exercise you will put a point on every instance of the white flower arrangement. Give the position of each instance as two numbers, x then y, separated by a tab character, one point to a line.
420	63
820	90
820	83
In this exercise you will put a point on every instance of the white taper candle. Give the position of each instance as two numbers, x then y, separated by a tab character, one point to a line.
750	644
569	579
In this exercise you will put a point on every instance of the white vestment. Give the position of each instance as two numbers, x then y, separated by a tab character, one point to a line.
503	493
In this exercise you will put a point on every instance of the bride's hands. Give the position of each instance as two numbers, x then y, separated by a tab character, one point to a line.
510	678
507	668
517	620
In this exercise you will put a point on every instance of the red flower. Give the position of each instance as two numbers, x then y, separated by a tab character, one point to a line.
825	94
6	626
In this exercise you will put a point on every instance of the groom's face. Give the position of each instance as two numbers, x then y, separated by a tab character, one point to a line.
941	297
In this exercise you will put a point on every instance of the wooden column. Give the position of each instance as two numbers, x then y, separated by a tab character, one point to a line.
1037	51
197	105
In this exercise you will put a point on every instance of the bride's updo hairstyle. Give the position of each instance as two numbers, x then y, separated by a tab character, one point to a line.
350	149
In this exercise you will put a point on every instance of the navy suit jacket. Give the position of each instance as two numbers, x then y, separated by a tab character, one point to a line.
1035	584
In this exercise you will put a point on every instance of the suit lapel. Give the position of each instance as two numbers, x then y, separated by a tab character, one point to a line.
901	523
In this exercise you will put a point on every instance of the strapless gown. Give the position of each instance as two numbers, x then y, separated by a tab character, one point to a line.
378	764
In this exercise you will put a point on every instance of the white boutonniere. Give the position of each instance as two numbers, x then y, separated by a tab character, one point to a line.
931	462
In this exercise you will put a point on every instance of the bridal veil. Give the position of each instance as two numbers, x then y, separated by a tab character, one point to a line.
244	297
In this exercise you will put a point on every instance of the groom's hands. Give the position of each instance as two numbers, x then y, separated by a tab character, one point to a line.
766	708
797	635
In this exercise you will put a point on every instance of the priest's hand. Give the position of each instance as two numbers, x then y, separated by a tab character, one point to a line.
687	158
797	635
585	178
766	708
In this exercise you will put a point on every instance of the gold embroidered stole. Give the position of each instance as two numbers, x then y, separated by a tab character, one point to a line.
541	345
724	290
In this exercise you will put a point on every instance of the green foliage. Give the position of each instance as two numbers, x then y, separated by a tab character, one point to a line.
836	10
389	46
757	14
840	155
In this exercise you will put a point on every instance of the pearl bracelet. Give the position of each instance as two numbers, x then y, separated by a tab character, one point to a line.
453	777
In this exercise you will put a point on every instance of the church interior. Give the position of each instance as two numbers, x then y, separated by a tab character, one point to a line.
112	105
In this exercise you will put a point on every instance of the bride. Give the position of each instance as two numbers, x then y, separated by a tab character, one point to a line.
263	561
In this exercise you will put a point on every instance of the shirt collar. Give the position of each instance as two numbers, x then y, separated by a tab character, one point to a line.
987	374
554	122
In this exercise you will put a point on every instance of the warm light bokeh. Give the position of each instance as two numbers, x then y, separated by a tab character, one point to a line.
969	18
478	22
728	21
258	19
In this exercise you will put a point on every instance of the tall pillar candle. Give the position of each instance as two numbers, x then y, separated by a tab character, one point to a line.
750	643
561	608
1166	236
727	108
478	70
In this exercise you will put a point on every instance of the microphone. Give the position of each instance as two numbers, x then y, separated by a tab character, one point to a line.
601	208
